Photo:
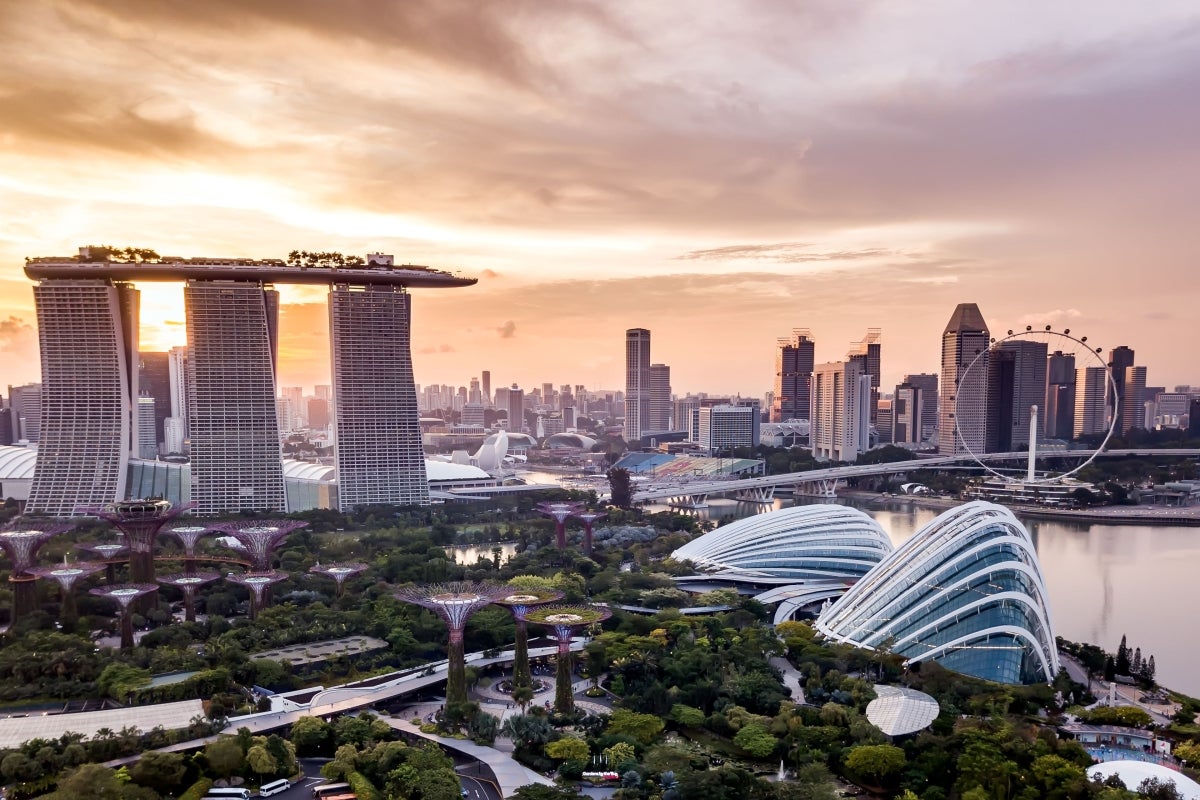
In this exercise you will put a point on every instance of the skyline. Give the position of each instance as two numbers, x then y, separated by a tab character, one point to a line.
823	167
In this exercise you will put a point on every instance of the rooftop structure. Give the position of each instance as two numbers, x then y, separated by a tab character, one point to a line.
965	591
565	620
125	594
259	584
188	584
897	710
259	538
339	572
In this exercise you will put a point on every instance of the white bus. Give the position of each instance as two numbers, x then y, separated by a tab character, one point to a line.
227	792
274	787
330	790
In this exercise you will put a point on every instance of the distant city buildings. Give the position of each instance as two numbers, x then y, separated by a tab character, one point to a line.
840	409
794	362
1091	408
637	383
1060	395
660	398
965	340
1016	382
721	427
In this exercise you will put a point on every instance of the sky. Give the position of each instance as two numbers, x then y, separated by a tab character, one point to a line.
719	173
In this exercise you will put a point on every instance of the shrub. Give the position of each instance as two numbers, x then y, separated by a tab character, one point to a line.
197	790
363	789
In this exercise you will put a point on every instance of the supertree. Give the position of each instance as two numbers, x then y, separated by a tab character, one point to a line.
21	540
188	536
188	583
589	518
140	521
109	552
67	575
560	513
259	584
564	620
259	538
519	603
339	572
454	603
125	594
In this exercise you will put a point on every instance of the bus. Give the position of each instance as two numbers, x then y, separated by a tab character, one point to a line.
330	790
274	787
229	792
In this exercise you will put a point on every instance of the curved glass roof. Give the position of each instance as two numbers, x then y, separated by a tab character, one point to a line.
965	591
897	710
16	463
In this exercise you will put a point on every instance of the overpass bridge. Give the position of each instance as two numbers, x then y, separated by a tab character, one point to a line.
824	482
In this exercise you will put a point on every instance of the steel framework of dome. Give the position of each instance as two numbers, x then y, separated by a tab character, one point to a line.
259	537
817	542
966	591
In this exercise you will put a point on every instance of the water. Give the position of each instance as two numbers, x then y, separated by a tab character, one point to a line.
468	554
1103	580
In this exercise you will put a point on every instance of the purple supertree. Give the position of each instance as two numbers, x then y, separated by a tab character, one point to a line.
140	521
560	513
519	603
188	583
564	620
67	575
259	584
188	536
21	539
339	572
259	537
454	603
109	552
125	595
589	517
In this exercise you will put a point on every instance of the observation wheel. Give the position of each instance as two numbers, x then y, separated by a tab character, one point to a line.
1065	353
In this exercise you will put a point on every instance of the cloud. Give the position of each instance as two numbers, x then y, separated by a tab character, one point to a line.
508	330
784	252
489	273
445	348
15	333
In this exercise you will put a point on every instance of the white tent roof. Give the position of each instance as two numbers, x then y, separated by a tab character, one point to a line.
17	730
897	710
1134	772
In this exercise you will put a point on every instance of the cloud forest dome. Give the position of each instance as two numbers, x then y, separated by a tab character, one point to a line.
966	591
816	542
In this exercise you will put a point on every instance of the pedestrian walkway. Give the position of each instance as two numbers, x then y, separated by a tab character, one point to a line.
791	678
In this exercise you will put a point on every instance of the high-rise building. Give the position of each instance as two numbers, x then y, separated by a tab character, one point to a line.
1119	359
87	332
660	398
323	392
474	393
683	408
1194	418
722	427
1016	383
1133	399
25	402
965	340
472	414
147	443
515	408
177	363
285	412
318	413
154	380
927	384
295	396
840	409
1060	395
794	360
867	352
174	436
486	379
236	460
637	383
908	414
884	421
379	455
1091	407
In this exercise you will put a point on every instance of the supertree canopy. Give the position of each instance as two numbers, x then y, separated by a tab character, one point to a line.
67	576
259	583
564	620
560	512
125	594
454	603
140	521
188	583
589	518
519	603
259	537
339	572
109	551
188	536
21	539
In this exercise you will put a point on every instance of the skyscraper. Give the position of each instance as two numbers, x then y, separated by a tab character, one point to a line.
379	455
839	419
1119	360
927	383
147	446
486	378
867	353
964	338
154	380
236	461
794	360
25	402
908	412
87	332
637	383
1133	399
516	409
1016	383
1092	408
177	372
660	398
1060	395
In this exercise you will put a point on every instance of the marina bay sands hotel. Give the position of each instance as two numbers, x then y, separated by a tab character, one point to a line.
88	309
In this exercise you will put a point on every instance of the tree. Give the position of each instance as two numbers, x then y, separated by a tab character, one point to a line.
261	761
161	772
311	735
224	756
620	753
756	740
621	487
643	727
1189	753
568	749
687	716
536	791
1122	663
1149	672
1156	789
526	730
90	782
878	764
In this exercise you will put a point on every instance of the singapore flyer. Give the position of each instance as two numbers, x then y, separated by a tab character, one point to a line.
1030	385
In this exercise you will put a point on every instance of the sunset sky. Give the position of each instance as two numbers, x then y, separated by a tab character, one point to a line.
719	173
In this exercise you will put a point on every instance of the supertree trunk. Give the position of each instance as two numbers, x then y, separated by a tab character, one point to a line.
141	570
24	596
564	696
189	605
456	674
521	675
126	628
69	614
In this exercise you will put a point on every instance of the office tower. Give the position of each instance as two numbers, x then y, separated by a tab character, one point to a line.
1193	417
323	392
1119	359
1091	407
472	414
286	414
660	398
174	436
154	380
459	399
318	413
569	418
87	333
379	455
884	421
964	338
637	383
512	400
722	427
6	426
486	381
682	413
236	460
177	363
565	397
927	384
840	410
25	402
794	361
1060	395
908	413
867	352
581	399
147	442
548	395
1133	399
474	393
295	396
1016	383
